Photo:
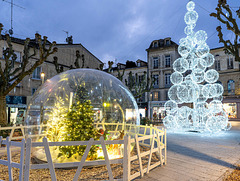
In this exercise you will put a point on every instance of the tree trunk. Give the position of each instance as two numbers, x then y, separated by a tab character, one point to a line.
3	112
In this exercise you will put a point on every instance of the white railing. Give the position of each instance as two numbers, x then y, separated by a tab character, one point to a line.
150	136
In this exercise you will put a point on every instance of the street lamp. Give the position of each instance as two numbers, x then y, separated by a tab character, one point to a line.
42	76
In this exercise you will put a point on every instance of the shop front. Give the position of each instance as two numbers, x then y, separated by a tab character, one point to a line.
16	108
157	111
232	106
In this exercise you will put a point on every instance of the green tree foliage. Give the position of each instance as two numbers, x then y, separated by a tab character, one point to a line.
79	125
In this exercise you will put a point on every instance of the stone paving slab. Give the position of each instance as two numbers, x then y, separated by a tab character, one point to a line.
192	156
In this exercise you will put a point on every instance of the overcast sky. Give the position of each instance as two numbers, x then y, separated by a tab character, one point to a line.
110	29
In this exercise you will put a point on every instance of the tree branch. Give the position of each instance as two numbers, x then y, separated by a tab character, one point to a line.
231	25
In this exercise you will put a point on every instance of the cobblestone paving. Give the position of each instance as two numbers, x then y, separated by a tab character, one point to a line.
192	156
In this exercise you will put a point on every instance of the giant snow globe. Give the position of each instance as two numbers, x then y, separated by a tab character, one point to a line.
77	105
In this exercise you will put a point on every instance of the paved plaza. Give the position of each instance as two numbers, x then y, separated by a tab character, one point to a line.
192	156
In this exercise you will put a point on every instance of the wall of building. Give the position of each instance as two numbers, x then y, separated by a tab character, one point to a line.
18	98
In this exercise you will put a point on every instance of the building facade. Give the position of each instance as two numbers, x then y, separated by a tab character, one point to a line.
162	53
138	71
229	77
19	97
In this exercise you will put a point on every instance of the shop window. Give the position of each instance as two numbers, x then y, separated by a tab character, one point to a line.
167	61
231	109
158	113
167	80
155	62
230	63
37	73
231	87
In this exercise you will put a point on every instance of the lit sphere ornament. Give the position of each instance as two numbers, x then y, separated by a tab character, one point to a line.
207	60
215	106
169	122
180	65
173	93
191	17
202	50
200	37
190	6
184	49
211	76
176	78
197	76
170	105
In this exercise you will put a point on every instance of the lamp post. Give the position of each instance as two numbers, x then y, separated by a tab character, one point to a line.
42	76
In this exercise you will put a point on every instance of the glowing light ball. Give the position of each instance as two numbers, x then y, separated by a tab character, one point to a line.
180	65
201	116
101	97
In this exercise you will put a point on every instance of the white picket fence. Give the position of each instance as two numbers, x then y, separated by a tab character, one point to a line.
151	137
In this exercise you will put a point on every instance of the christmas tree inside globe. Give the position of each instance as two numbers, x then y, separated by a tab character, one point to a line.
78	105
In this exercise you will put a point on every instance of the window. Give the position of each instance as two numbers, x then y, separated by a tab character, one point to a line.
167	98
155	83
37	73
139	64
155	96
167	42
167	61
167	80
231	109
155	62
141	78
18	56
231	87
33	90
155	44
217	65
230	63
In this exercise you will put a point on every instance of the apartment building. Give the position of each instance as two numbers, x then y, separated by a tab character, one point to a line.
19	97
162	53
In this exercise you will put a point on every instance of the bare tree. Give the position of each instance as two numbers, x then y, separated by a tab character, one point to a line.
139	86
11	74
135	85
226	16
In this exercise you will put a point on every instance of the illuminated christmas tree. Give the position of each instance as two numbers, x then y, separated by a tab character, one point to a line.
55	125
79	124
194	83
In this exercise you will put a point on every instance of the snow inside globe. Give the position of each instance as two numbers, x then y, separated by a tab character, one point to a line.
77	105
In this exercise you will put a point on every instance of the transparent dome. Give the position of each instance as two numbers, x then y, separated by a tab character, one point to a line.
102	98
